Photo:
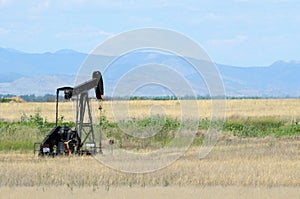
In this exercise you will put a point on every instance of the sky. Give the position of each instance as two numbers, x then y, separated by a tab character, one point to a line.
234	32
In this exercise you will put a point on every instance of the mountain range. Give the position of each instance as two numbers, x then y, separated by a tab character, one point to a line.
41	73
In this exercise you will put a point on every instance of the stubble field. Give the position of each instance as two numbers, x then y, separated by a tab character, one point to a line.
264	167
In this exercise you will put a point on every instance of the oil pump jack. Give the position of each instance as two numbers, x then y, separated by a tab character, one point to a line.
62	140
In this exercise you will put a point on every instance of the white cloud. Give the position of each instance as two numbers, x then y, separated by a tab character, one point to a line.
41	6
132	4
5	2
140	20
4	31
265	1
95	3
227	42
85	32
104	33
209	17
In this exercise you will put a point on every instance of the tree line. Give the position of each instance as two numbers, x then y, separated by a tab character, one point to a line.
52	98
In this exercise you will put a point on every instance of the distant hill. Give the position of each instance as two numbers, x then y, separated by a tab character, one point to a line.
28	64
41	73
280	79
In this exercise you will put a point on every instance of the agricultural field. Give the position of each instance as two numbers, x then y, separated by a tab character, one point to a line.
240	108
257	155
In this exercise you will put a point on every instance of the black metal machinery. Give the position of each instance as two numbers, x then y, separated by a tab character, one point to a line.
64	140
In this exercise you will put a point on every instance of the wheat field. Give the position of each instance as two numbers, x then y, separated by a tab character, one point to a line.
245	168
152	192
245	162
236	167
243	108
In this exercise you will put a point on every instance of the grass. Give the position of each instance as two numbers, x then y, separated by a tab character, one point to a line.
174	192
153	132
261	127
264	162
21	135
244	108
259	147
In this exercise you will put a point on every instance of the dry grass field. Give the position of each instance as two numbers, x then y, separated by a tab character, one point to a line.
245	162
280	108
174	192
265	167
244	168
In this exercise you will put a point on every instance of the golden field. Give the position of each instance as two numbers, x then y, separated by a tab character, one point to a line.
174	192
245	162
279	108
245	168
236	167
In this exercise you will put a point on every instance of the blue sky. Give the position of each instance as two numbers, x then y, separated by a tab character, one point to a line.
236	32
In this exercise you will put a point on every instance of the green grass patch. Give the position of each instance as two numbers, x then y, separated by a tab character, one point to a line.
22	134
154	132
261	127
148	133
